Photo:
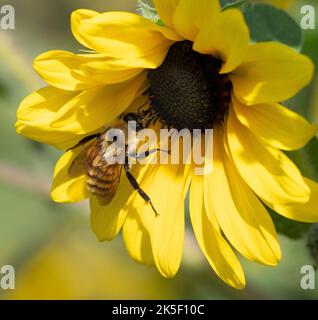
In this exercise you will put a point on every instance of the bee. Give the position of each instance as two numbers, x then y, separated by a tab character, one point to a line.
103	176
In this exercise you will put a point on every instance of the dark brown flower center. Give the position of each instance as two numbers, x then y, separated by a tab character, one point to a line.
187	91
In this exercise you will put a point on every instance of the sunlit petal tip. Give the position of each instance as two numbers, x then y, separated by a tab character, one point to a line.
239	286
240	214
166	230
77	17
124	35
212	243
36	113
166	272
90	110
276	125
62	69
271	72
137	239
166	9
19	126
277	257
267	170
66	189
106	221
307	212
190	16
82	14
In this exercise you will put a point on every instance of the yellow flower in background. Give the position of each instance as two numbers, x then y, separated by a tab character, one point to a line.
285	4
197	71
58	271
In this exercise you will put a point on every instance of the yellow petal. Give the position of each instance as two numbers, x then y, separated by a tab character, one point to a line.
241	216
78	17
110	71
126	35
215	248
190	16
307	212
64	188
166	230
36	113
225	38
61	69
116	66
267	170
271	72
69	71
137	239
93	109
107	221
165	9
275	124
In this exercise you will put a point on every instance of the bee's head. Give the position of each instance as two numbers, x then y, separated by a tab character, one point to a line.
133	117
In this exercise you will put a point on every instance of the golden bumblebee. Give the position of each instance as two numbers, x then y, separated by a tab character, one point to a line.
96	161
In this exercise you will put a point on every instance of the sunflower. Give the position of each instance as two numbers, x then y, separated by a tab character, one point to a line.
196	69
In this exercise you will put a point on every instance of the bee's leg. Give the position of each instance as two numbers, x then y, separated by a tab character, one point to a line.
147	153
136	186
85	140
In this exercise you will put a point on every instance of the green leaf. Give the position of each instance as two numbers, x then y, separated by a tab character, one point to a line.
268	23
231	4
306	159
3	89
289	228
312	243
146	9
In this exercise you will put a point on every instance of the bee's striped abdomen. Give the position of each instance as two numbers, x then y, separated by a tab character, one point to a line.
103	179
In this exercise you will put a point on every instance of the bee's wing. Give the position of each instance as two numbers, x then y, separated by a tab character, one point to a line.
79	164
113	172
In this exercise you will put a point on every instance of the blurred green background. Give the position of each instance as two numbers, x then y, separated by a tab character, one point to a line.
52	247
